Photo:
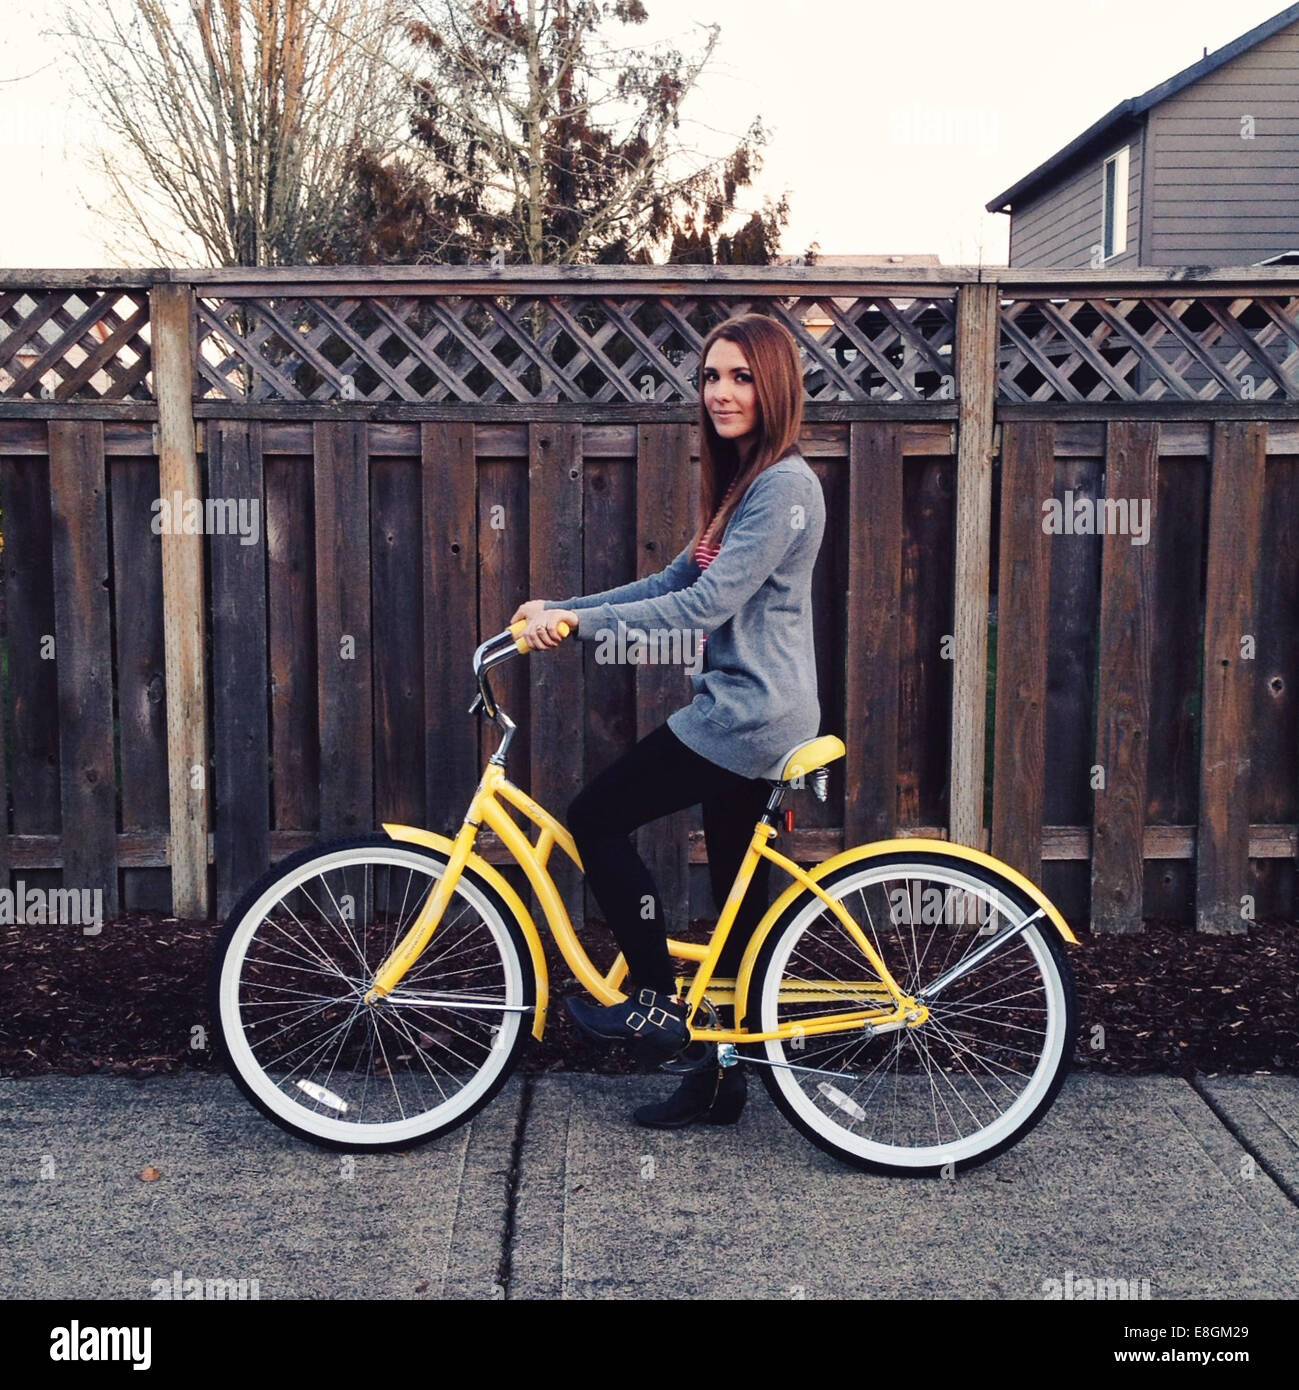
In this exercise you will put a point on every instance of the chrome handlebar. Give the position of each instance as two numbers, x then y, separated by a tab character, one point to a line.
502	647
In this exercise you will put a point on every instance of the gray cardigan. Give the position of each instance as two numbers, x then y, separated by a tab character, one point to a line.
756	695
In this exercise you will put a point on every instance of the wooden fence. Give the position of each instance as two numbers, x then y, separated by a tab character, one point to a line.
418	449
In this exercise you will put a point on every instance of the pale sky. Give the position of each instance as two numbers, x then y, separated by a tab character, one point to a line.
891	125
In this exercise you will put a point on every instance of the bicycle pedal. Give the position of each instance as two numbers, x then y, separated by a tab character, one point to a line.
837	1098
696	1056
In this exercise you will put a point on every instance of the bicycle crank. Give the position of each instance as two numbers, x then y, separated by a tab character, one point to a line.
727	1056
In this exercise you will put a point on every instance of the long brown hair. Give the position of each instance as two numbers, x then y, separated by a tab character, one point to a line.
777	369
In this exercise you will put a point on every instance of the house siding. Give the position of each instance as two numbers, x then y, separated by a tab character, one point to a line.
1217	199
1060	227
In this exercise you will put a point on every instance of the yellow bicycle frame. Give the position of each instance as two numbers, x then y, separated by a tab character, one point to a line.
486	809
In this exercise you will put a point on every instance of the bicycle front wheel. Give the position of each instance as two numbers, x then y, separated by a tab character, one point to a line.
295	960
961	1086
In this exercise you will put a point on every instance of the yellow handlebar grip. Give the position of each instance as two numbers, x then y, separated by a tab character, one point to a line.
521	624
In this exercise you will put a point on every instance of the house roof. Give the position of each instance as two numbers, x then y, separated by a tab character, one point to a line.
1129	111
881	258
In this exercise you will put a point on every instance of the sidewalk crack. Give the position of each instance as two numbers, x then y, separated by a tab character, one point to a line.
504	1268
1238	1135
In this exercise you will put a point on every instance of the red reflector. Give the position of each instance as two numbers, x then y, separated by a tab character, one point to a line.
789	818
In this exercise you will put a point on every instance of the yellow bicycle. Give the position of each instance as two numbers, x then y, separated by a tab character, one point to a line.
909	1003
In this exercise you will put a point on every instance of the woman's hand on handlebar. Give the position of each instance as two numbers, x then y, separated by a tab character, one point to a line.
528	610
542	631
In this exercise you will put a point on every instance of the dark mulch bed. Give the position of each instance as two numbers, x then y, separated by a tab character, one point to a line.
131	1001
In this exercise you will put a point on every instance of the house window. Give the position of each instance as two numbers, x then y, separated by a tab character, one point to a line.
1114	203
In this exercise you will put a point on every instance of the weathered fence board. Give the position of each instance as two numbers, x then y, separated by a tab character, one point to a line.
343	634
291	638
928	615
1069	711
874	608
449	570
1022	630
240	683
1230	621
503	580
556	685
141	667
33	752
83	653
1123	704
396	603
1180	527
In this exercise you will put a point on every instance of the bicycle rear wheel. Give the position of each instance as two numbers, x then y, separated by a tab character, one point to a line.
295	959
957	1089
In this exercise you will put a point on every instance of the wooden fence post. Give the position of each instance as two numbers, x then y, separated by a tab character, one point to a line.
171	318
976	385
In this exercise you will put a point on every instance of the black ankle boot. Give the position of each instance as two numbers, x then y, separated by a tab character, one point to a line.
655	1023
711	1095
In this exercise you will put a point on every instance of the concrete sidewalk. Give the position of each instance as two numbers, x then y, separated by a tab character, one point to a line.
1178	1191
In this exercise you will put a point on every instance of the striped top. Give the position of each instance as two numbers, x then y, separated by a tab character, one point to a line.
706	554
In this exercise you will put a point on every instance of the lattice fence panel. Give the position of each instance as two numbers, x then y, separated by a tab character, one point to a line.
1149	349
490	349
60	345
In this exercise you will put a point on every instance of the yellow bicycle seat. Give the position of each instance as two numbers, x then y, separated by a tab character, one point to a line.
807	757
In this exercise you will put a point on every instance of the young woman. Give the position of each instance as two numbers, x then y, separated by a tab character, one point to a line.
743	583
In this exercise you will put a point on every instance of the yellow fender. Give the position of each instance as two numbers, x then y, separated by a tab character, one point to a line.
871	851
416	836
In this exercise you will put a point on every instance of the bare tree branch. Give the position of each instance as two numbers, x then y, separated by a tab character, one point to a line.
241	116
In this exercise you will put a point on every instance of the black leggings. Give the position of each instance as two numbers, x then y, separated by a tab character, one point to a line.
655	777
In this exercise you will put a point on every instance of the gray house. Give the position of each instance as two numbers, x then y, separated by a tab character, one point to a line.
1201	170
